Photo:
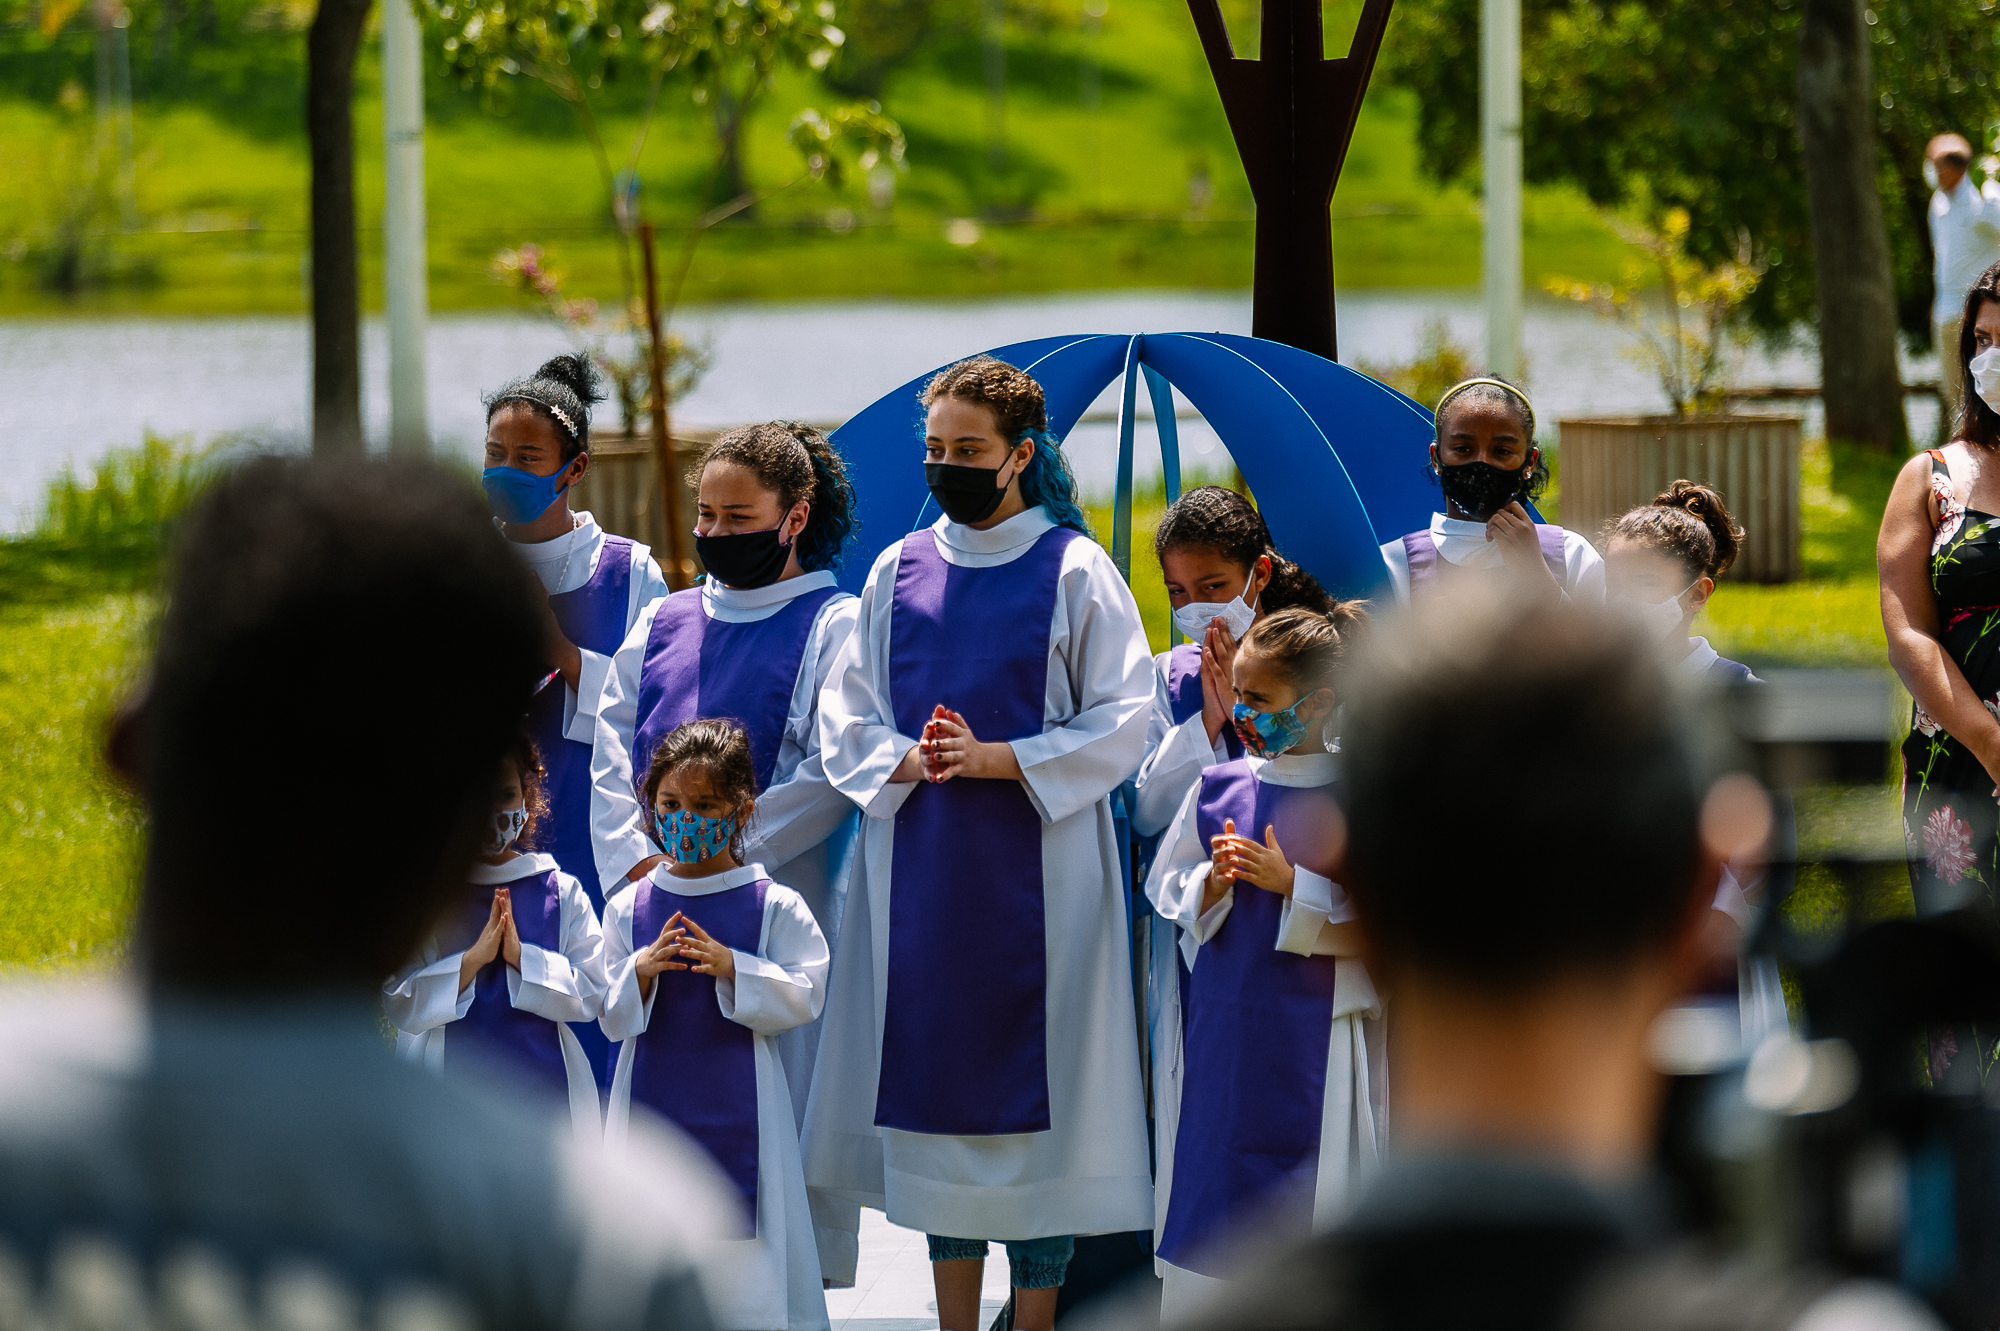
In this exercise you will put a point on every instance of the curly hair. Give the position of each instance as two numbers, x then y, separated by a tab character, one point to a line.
527	760
1687	522
720	750
795	462
561	392
1308	647
1210	517
1491	392
1021	412
1978	424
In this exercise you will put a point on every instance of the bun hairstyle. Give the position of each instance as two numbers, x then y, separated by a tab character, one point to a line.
561	392
1308	647
795	462
1687	522
527	762
1210	517
1495	393
720	750
1017	404
1978	424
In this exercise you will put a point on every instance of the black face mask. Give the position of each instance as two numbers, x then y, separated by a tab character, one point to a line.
747	559
966	494
1481	489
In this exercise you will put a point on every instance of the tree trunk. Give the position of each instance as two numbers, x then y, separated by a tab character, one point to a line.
731	114
1859	380
336	280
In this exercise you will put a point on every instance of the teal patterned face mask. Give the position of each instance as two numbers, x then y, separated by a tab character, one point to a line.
1267	734
689	837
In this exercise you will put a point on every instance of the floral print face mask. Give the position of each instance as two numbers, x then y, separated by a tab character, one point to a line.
507	825
1268	734
690	838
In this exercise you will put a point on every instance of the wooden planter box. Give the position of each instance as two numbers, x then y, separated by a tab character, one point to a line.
1614	464
622	490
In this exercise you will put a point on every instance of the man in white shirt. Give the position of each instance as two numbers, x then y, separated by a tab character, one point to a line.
1965	240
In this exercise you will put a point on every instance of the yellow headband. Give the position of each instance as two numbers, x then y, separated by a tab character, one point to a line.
1437	416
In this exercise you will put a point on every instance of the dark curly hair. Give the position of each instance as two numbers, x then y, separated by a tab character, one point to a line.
1308	647
1021	411
1490	392
1978	424
795	462
720	750
527	760
561	392
1210	517
1687	522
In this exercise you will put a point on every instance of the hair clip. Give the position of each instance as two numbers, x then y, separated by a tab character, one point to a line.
562	416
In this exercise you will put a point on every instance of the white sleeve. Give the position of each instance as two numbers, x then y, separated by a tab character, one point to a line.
1315	902
1175	757
567	985
1732	901
1099	641
617	827
1179	877
425	994
1398	560
786	985
802	808
648	584
860	747
625	1012
1583	568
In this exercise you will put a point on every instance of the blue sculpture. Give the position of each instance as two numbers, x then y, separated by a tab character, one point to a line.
1335	459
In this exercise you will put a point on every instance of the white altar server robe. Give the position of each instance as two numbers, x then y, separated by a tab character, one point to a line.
1088	1174
1354	1115
803	828
422	1000
1465	544
770	1282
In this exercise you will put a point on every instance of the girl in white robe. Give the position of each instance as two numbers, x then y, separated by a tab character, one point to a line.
979	1072
1268	1140
710	961
491	992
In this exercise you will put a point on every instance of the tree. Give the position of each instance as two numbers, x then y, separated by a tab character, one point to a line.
336	281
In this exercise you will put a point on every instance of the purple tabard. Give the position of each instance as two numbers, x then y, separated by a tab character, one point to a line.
1420	547
696	666
964	1031
493	1031
1184	691
691	1063
594	617
1258	1020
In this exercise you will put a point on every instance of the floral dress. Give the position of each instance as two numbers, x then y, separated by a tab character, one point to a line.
1951	816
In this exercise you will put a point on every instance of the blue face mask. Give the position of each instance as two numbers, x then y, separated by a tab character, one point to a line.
517	496
1267	734
690	838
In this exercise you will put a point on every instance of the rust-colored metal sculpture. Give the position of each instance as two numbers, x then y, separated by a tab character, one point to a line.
1292	112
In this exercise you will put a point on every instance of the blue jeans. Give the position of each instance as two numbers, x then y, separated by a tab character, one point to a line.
1031	1263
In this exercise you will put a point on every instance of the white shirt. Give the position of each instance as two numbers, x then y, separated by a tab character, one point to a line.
1965	239
1465	544
567	563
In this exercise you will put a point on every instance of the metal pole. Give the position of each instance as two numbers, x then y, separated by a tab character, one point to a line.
1500	150
405	267
679	567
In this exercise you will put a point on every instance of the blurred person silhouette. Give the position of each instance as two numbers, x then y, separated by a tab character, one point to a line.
1965	240
231	1141
1527	925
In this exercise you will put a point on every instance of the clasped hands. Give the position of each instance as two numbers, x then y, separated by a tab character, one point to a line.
948	748
1235	858
680	937
1520	543
497	939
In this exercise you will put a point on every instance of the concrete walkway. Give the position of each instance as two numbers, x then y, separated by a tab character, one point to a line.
892	1282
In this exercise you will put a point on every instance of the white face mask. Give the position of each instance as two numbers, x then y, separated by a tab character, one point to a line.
1659	618
1984	371
507	825
1930	173
1192	618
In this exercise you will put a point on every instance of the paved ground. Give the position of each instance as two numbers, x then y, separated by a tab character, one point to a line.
892	1286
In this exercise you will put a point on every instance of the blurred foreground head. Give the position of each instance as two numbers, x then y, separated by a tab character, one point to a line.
1523	795
345	651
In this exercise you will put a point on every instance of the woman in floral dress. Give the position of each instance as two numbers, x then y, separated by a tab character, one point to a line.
1939	555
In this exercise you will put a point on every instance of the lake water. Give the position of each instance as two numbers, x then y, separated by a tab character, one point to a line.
71	388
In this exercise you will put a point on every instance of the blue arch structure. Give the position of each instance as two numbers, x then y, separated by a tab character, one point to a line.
1335	459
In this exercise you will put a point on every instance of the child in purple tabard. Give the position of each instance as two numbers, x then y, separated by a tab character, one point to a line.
492	990
1223	573
775	516
537	448
979	1076
710	961
1283	1084
1485	460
